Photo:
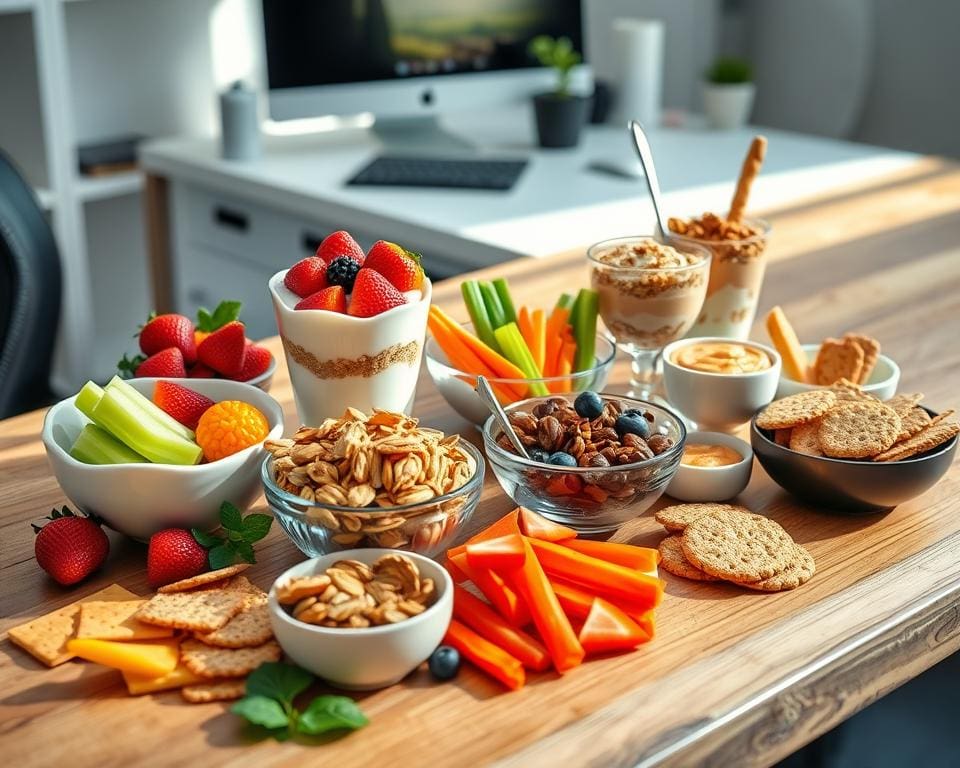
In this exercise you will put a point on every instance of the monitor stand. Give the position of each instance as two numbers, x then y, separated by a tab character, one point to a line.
420	136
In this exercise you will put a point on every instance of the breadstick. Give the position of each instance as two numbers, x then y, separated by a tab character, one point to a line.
751	167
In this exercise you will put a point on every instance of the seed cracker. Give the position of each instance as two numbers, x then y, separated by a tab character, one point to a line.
674	561
858	430
925	440
799	571
871	353
782	437
203	610
114	620
805	439
677	517
221	690
248	629
737	547
913	421
210	661
796	409
204	578
838	359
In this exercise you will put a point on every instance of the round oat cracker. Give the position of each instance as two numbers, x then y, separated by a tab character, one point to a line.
677	517
737	547
805	439
796	409
798	572
673	561
858	430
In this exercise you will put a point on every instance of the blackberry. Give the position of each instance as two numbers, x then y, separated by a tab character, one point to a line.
343	271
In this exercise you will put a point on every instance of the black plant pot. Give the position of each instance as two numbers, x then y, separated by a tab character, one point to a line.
560	118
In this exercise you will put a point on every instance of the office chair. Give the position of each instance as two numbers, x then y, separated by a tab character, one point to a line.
30	281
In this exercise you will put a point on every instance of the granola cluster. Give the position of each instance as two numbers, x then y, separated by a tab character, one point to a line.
728	240
646	268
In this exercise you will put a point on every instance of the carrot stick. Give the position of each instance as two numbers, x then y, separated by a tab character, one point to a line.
492	659
483	620
637	558
525	324
495	589
538	527
605	579
496	554
464	359
509	523
538	322
609	630
576	603
555	327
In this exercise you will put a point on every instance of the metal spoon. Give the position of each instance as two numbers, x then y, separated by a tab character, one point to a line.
650	174
490	400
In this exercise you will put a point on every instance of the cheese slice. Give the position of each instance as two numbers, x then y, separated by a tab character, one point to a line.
785	339
179	677
150	658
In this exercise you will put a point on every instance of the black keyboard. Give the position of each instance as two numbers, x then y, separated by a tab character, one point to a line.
400	171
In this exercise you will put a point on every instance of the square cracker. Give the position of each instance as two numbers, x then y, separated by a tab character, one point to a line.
215	690
208	661
248	629
871	353
106	620
204	578
45	638
202	610
838	359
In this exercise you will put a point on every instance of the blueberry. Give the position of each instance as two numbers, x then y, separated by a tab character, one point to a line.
538	454
588	405
444	663
343	271
639	412
562	459
632	424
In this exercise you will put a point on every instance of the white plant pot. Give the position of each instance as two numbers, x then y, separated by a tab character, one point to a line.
728	105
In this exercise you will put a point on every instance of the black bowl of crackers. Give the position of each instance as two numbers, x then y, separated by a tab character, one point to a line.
844	450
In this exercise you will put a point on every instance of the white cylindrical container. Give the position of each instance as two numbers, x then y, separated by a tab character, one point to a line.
638	62
240	125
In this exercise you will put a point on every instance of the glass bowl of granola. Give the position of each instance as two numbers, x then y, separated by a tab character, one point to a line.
596	461
372	480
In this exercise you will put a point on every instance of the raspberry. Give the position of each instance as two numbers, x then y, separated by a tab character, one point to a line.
343	271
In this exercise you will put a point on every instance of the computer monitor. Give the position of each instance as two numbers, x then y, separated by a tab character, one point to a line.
406	60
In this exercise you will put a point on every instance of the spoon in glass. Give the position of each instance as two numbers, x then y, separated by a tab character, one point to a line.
642	146
490	400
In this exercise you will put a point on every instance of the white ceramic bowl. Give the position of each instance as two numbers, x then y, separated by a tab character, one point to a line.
364	659
692	483
882	383
141	499
719	401
265	379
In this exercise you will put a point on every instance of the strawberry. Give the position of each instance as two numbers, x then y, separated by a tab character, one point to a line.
400	266
201	371
307	276
372	294
174	554
167	364
164	331
255	362
337	244
185	405
70	547
332	299
224	349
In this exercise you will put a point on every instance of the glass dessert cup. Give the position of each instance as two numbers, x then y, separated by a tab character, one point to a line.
647	307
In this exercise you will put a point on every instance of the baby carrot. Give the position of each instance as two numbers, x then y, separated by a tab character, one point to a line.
483	620
494	588
638	558
492	659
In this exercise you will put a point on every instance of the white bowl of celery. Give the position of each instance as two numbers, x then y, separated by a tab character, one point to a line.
120	457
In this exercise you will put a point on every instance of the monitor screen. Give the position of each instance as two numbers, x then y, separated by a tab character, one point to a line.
329	42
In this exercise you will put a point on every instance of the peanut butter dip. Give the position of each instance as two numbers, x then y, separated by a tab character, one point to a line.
704	455
721	357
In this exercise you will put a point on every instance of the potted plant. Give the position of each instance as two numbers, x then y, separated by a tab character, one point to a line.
560	113
728	93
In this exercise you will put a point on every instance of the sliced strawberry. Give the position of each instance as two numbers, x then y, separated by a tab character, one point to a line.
332	299
255	362
185	405
372	294
224	349
201	371
337	244
400	266
167	364
307	276
164	331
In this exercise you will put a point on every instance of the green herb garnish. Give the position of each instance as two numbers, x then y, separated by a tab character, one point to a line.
242	531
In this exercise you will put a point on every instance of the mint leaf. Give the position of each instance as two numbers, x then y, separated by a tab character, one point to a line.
244	550
261	711
230	517
204	319
256	526
278	681
221	556
204	539
329	713
226	312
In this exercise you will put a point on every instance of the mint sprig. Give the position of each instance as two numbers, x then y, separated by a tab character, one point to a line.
241	533
226	312
271	690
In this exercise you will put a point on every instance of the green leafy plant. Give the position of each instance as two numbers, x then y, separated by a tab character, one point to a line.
241	533
226	312
559	54
730	71
271	690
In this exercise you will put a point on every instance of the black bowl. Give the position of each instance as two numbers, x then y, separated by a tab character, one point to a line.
846	485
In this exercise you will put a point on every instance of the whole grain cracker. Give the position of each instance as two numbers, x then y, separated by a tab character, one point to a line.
904	402
204	578
673	561
221	690
677	517
913	421
799	571
737	547
871	353
210	661
857	430
782	437
805	439
248	629
941	417
926	440
796	409
838	359
203	610
114	620
845	389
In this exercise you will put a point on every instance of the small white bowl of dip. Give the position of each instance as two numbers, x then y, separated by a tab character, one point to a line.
702	477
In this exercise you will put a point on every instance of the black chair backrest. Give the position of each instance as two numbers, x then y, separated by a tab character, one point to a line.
30	281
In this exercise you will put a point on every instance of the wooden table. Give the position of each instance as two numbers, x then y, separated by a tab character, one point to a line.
733	678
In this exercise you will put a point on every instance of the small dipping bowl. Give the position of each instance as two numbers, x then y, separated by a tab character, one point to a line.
882	383
693	483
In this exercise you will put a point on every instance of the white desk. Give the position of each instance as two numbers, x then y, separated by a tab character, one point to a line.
296	193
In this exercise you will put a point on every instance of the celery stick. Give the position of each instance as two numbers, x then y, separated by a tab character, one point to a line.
473	298
565	301
515	349
492	303
94	445
585	328
506	300
149	411
87	398
126	423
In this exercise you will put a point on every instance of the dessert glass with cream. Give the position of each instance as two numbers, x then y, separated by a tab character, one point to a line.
650	295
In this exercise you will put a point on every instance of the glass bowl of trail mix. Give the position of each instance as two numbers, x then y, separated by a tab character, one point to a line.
596	460
372	480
